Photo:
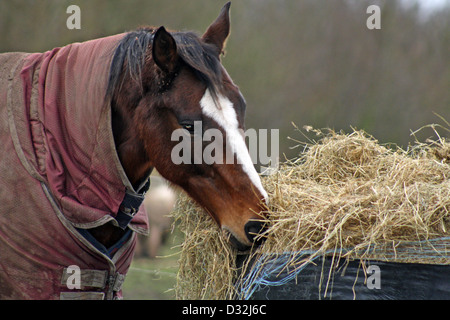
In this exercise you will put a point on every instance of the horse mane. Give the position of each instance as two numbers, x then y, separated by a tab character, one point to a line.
130	56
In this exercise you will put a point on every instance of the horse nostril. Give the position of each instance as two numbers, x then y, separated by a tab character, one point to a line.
253	228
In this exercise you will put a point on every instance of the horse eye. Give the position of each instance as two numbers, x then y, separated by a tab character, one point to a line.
188	126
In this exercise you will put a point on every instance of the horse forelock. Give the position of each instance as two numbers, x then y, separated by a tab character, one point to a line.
202	58
130	56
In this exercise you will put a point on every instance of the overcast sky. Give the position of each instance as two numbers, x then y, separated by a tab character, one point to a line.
430	4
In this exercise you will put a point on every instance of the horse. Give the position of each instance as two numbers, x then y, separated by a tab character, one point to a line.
83	126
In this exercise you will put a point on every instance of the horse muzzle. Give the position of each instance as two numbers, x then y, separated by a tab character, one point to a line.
253	229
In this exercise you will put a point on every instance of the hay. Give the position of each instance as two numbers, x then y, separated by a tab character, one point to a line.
207	262
345	195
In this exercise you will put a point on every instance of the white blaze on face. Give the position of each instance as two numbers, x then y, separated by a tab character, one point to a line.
226	117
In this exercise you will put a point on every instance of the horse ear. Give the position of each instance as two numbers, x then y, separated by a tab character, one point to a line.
164	50
217	33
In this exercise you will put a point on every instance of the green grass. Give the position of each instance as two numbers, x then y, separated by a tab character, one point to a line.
154	279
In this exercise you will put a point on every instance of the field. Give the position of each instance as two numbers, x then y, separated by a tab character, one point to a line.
154	279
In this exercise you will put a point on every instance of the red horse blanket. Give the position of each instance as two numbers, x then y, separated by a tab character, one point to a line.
59	172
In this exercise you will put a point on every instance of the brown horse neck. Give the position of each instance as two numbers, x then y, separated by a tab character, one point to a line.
130	148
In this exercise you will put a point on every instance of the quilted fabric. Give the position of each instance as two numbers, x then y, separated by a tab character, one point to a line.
59	169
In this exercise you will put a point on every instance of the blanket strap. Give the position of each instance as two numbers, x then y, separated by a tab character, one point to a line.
130	204
86	278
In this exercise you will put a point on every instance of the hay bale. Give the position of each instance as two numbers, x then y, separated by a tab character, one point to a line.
345	195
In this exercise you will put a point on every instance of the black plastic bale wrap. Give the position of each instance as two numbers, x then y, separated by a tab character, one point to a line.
328	277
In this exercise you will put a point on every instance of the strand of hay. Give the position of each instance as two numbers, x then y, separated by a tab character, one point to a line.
346	191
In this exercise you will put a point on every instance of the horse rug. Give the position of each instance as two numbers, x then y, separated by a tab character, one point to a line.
59	175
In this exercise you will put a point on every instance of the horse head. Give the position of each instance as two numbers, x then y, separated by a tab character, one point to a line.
177	83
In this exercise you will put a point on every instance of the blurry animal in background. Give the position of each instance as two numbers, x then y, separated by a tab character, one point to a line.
159	202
